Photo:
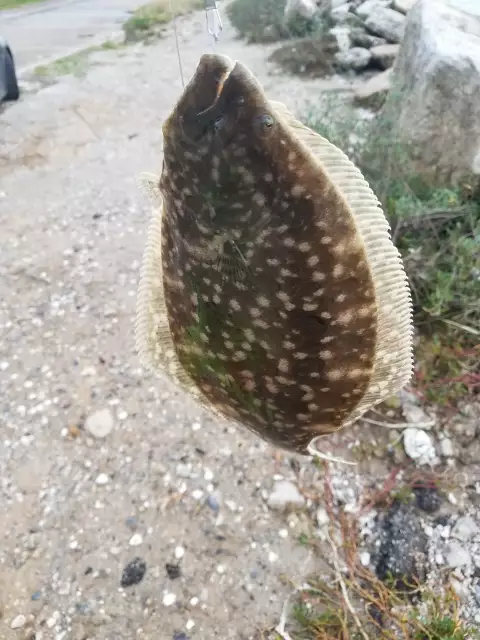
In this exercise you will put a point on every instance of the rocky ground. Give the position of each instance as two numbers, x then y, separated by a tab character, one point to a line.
127	512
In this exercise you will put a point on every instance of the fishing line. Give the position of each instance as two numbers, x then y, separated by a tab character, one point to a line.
177	45
214	28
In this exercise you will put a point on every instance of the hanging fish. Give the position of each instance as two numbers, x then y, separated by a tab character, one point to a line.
270	288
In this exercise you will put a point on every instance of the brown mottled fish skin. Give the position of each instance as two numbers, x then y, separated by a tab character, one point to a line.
270	299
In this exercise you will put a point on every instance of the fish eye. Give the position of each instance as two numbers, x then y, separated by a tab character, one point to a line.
264	123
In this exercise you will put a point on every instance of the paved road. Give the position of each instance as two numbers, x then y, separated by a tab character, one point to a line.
54	28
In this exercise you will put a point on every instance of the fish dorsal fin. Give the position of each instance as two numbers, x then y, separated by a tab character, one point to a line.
393	363
153	338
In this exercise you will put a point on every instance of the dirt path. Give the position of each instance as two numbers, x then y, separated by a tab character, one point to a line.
167	478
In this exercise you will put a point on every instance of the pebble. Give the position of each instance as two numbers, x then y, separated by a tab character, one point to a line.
179	552
102	479
446	448
100	423
133	572
18	622
465	529
169	599
190	624
285	493
418	445
365	558
136	540
213	503
457	555
173	570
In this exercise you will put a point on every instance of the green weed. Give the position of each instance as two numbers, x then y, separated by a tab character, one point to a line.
263	21
146	22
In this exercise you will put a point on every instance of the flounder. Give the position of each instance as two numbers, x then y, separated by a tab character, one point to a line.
270	287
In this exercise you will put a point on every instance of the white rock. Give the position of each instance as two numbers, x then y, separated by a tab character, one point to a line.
387	23
365	558
100	423
457	555
437	73
403	6
18	622
136	540
169	599
446	448
465	529
284	494
356	58
418	445
179	552
322	517
367	7
102	479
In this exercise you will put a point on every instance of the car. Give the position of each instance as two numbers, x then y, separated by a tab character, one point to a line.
8	76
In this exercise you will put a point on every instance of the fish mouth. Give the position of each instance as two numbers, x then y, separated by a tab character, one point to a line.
202	99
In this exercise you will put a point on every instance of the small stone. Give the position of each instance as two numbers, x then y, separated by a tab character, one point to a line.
173	570
18	622
212	502
285	493
360	38
457	555
418	445
465	529
272	556
386	23
365	558
427	498
169	599
132	523
322	517
367	7
384	55
136	540
403	6
356	58
446	448
100	423
179	552
373	93
133	572
190	624
102	479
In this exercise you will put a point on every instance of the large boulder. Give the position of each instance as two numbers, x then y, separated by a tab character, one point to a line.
435	100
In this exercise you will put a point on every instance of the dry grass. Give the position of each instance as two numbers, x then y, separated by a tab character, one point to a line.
353	604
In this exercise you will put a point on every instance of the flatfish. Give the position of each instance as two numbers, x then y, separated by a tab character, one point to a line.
270	288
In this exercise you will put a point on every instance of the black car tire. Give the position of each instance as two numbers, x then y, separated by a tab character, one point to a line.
13	92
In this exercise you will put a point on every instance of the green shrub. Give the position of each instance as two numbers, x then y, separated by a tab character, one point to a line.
263	21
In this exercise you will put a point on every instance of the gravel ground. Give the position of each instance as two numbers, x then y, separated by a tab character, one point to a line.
151	476
127	511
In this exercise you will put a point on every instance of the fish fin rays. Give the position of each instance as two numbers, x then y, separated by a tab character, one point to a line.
393	363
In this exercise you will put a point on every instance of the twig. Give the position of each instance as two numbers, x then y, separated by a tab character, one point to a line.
344	589
401	425
324	456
